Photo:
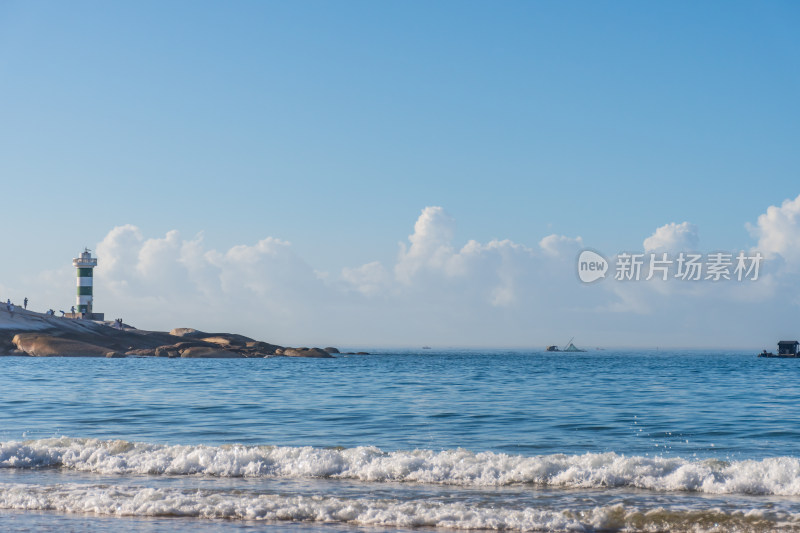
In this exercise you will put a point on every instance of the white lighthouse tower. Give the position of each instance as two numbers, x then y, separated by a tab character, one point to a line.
85	265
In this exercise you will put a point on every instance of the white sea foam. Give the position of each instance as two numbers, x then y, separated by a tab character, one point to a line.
120	500
771	476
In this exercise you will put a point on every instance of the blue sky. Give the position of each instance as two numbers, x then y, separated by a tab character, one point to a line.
333	125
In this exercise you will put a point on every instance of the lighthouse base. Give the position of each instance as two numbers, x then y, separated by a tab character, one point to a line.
86	316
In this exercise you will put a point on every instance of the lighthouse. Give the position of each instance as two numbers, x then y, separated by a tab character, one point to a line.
85	265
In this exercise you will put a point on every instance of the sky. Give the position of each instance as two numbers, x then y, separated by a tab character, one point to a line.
404	173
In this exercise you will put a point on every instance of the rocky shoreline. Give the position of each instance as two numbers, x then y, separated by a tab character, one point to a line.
24	333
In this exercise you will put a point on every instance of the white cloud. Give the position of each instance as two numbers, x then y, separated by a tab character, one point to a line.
430	246
164	280
369	279
561	245
431	263
673	237
778	231
438	291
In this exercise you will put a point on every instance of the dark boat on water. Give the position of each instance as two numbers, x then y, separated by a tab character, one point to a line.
786	350
568	348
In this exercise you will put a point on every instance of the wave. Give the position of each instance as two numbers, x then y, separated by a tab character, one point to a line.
118	500
771	476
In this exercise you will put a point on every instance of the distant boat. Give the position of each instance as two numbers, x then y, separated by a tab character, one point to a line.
572	348
568	348
426	347
786	349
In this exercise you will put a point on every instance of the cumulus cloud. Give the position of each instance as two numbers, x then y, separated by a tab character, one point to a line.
778	231
432	263
673	237
436	291
369	279
264	289
430	245
561	245
162	279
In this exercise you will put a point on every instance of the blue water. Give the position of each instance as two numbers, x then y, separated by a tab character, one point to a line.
698	408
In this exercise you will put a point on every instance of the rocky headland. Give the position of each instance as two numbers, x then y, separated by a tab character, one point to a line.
28	333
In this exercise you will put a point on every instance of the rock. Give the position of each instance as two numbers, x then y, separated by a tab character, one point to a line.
331	349
264	347
213	338
362	353
207	352
220	341
227	338
188	332
7	347
306	352
180	346
48	336
13	352
279	351
166	351
144	352
115	355
39	345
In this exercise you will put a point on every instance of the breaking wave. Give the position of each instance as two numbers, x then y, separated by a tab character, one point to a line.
119	500
771	476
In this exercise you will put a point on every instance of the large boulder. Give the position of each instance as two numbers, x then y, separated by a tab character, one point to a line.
331	349
218	340
232	339
263	347
39	345
208	352
143	352
306	352
167	351
190	333
180	346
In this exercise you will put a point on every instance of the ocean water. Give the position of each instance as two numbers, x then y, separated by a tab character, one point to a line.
402	439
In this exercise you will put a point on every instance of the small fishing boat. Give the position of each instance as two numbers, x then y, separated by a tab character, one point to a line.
786	350
572	348
568	348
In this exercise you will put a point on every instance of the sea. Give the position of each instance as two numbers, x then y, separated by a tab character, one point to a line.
403	440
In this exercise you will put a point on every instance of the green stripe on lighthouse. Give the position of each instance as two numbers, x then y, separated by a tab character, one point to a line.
85	272
85	291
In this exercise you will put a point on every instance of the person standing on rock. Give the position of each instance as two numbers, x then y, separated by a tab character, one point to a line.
25	303
72	309
10	308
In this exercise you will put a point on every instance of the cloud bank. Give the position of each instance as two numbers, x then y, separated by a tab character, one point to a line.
437	291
